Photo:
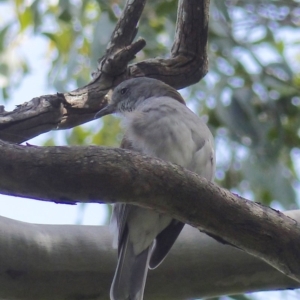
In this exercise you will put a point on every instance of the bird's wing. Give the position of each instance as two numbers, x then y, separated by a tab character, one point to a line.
203	161
164	242
120	214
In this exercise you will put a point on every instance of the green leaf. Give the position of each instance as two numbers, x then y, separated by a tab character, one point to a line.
3	33
109	134
268	180
280	46
65	16
222	9
25	18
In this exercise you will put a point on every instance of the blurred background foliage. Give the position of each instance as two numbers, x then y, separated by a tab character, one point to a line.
250	97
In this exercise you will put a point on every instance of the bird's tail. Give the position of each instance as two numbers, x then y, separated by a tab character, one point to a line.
131	272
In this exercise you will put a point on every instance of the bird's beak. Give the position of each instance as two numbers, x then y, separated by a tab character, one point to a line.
108	109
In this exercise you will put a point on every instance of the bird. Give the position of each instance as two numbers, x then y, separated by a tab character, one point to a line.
157	123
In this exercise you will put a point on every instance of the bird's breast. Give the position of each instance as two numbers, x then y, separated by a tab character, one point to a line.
168	130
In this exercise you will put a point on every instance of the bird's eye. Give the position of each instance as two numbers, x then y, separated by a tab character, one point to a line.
123	91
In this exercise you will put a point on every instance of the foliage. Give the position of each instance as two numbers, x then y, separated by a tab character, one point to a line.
252	95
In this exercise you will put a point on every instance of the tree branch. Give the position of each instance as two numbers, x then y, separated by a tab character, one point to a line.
96	174
188	62
77	262
187	65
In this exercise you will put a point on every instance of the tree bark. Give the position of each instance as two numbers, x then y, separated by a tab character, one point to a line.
97	174
77	262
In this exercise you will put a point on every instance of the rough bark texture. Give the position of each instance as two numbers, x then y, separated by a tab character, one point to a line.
77	262
97	174
187	65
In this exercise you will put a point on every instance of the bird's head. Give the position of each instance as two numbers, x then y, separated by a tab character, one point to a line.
130	93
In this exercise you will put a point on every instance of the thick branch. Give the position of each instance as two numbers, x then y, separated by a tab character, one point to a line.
187	65
77	262
95	174
188	62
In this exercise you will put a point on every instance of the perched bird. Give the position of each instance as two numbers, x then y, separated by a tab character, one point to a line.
157	123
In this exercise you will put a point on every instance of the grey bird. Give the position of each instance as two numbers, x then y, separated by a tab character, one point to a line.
157	123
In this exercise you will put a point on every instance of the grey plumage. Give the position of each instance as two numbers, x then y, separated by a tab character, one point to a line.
157	123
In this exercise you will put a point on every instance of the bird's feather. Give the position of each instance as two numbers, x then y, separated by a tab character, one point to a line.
131	272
